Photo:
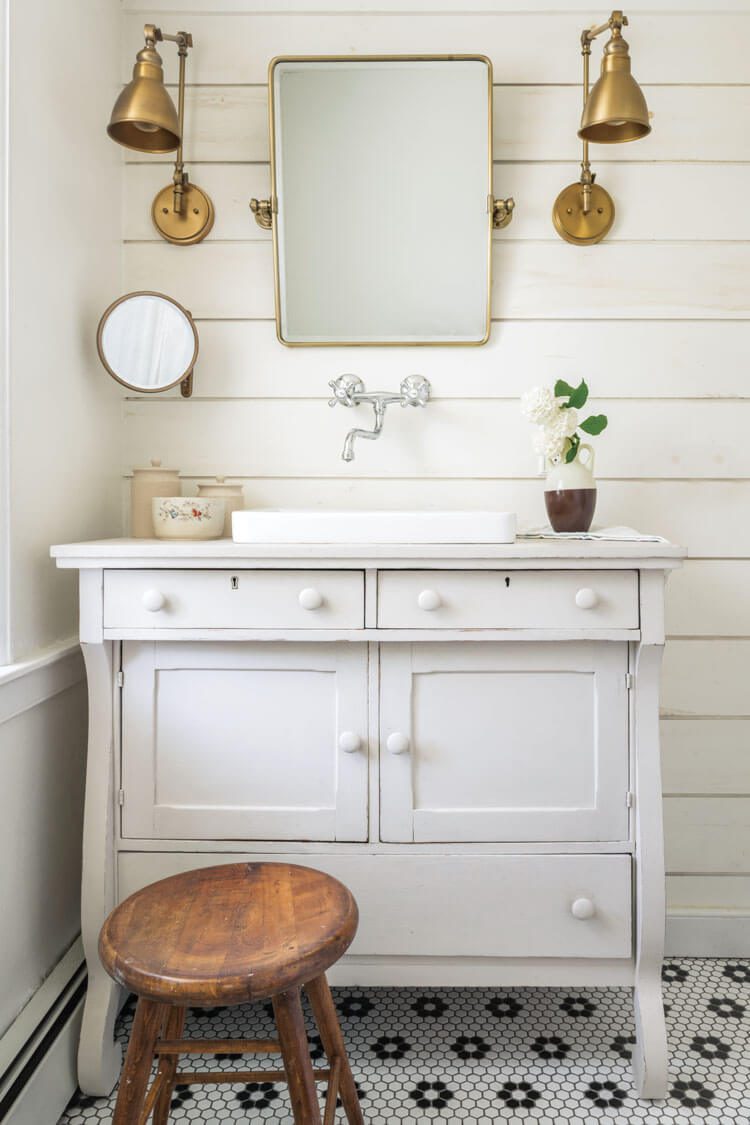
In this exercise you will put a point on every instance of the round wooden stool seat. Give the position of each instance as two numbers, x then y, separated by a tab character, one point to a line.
228	934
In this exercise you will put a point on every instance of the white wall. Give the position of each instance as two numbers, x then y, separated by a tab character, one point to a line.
657	319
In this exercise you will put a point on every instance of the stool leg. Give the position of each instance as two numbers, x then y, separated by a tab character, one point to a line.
327	1020
173	1025
136	1070
295	1051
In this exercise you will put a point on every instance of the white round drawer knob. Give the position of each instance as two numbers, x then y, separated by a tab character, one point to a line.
429	599
583	908
349	742
397	743
153	600
310	598
586	598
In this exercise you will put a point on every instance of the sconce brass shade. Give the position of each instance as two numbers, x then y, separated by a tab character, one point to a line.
615	109
144	117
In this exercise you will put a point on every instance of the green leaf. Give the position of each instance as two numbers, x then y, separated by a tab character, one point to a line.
562	388
575	441
594	424
579	395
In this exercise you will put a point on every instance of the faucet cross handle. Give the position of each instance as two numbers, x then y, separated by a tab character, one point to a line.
344	389
415	391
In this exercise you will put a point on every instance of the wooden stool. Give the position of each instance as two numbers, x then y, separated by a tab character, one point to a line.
228	935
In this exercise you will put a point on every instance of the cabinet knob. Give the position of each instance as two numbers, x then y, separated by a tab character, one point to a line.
582	908
349	742
586	598
397	743
310	598
429	599
153	600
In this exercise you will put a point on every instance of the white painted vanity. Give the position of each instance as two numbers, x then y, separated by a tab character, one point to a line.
466	735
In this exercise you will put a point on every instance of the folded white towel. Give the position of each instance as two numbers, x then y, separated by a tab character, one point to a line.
617	534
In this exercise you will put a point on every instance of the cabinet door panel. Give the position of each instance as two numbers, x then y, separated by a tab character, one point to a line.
241	741
506	742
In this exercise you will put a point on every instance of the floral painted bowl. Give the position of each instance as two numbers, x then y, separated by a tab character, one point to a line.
187	517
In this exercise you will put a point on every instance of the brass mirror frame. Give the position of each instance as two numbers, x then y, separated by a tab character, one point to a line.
498	212
185	379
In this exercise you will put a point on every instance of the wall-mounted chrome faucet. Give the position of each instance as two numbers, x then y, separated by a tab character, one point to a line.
349	390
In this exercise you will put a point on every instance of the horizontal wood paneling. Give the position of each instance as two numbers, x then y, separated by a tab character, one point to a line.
701	756
229	123
524	47
651	202
706	678
708	835
485	438
707	893
243	359
531	280
710	599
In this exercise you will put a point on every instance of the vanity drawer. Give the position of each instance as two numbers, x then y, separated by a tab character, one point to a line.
458	906
496	599
240	599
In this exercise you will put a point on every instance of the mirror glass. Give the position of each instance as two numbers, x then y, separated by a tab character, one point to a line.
147	341
382	173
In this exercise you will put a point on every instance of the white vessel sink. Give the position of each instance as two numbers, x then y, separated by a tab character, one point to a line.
289	526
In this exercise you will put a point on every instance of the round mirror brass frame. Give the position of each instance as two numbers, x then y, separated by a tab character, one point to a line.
185	380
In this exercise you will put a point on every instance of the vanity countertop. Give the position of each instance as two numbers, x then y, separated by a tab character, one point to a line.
218	553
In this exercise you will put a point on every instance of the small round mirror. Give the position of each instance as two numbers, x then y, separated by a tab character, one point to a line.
148	342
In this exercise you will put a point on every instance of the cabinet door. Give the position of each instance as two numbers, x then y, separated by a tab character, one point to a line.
504	742
244	741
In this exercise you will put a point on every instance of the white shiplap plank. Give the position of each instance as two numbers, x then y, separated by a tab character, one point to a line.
707	835
531	280
709	598
475	438
645	359
706	677
650	201
524	47
705	123
705	756
721	894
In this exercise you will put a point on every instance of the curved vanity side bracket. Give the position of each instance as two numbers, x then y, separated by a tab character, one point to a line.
650	1056
99	1056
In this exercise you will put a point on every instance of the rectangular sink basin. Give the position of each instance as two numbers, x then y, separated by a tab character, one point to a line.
289	526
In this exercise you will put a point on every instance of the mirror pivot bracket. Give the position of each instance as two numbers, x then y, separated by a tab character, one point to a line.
502	212
263	210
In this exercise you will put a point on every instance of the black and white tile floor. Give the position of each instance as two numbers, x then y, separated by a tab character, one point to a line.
482	1054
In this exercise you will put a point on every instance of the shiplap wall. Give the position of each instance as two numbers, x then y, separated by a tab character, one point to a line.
657	319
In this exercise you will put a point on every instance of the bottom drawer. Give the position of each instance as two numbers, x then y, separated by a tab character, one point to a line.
458	906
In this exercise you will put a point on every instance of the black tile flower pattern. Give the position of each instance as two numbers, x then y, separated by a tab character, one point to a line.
489	1056
519	1095
361	1094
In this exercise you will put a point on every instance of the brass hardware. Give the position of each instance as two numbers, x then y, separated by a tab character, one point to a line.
185	380
272	138
144	118
263	212
614	111
502	212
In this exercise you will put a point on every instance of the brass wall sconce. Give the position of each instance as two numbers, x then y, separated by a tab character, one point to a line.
614	111
144	118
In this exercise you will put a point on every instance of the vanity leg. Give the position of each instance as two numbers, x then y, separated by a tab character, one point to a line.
99	1056
650	1055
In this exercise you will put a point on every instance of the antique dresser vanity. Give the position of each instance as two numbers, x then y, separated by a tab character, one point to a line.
466	735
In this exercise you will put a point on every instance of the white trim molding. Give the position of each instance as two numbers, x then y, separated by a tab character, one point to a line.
708	935
28	683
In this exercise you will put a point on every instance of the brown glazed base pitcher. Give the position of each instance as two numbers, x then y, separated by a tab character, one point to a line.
570	493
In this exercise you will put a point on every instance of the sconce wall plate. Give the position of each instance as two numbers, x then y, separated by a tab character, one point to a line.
144	118
577	225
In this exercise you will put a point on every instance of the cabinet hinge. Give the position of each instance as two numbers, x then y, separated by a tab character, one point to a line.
629	680
630	799
121	797
120	678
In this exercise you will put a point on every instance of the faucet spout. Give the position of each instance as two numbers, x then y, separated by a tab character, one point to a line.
348	451
349	390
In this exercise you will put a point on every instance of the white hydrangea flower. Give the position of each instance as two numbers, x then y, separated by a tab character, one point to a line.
538	405
550	444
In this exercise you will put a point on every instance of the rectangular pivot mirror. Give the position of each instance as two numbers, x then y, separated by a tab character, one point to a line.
382	198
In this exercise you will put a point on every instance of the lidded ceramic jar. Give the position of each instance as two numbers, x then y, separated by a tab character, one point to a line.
570	493
231	494
145	486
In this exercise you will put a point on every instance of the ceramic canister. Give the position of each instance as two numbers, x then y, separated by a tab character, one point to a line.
231	494
570	493
146	484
